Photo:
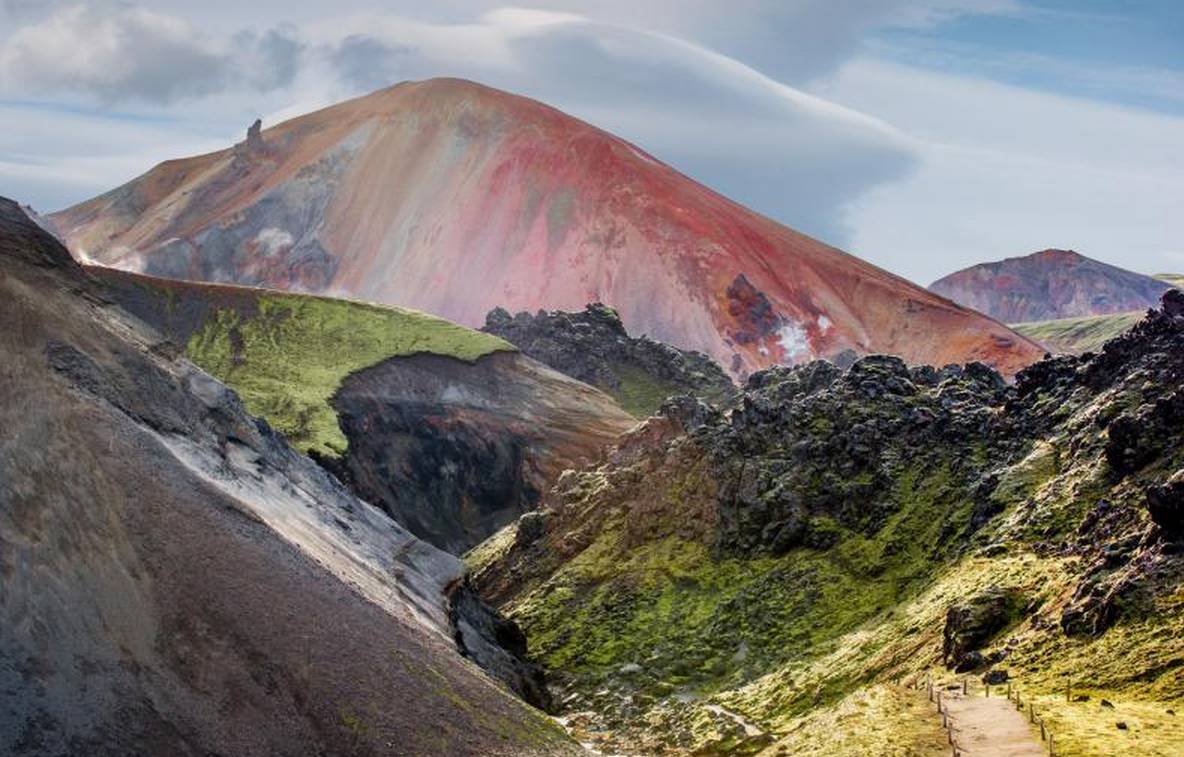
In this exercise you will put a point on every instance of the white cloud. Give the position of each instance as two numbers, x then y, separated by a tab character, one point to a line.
115	52
1006	171
780	150
787	153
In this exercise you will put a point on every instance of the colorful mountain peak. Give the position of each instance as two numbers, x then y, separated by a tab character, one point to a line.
455	198
1049	285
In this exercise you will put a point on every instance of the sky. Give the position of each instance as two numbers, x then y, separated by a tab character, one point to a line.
922	135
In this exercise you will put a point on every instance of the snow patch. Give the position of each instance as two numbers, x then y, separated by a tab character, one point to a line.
271	240
793	339
824	323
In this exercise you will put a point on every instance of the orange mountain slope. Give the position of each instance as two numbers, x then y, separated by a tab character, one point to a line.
454	198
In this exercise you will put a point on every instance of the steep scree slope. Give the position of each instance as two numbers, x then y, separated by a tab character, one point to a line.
448	430
730	582
593	346
454	198
1049	284
177	580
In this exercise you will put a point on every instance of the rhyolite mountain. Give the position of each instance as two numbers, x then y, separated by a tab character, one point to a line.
454	198
594	347
1048	285
175	579
757	581
453	432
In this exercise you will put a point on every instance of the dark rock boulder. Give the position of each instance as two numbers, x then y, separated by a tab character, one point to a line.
1172	303
1165	503
498	645
972	624
1139	436
996	677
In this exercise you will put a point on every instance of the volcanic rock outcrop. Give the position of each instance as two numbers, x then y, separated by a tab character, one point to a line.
177	580
450	431
726	576
454	198
593	346
1048	285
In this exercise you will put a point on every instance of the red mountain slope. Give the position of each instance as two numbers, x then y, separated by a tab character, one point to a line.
454	198
1050	284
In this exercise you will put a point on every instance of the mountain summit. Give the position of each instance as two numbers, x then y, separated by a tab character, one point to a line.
1050	284
455	198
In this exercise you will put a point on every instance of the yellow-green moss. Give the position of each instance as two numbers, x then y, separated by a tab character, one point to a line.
287	359
640	393
1077	335
693	618
880	719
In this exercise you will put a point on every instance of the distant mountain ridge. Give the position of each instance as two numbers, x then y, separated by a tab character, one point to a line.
1048	285
455	198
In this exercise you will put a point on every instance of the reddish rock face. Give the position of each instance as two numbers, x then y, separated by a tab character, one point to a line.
1050	284
455	198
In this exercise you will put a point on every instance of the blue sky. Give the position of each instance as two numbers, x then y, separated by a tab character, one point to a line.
923	135
1130	53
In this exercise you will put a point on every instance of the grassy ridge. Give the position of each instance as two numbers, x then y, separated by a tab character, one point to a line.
288	358
1074	336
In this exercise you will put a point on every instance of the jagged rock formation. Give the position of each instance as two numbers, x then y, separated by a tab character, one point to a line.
455	198
842	528
177	580
1049	285
450	431
593	346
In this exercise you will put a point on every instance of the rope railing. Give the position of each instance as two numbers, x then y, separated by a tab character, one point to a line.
1012	695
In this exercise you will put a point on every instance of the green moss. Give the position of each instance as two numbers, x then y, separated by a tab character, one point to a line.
288	358
641	394
1077	335
693	618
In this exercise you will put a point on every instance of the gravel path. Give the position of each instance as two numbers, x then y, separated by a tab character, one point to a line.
991	727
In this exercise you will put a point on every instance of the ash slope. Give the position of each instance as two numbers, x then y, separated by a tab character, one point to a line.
1049	285
841	529
593	346
178	581
455	198
450	431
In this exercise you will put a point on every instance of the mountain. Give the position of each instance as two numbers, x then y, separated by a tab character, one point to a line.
178	580
451	431
1048	285
594	347
455	198
781	579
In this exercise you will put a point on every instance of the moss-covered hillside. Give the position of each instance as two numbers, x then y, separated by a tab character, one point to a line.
286	354
1076	336
725	583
